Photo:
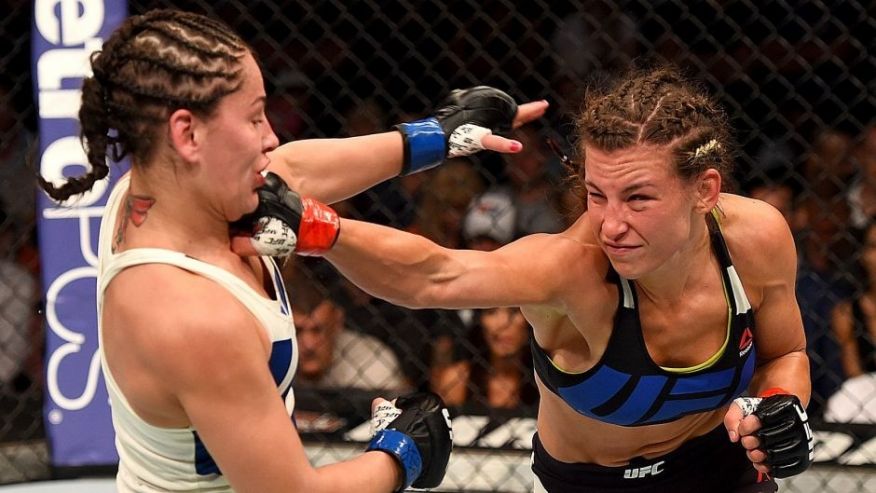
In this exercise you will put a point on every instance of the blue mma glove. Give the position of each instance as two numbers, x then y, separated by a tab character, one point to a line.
463	119
420	439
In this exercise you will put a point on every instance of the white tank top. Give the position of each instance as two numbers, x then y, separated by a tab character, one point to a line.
151	458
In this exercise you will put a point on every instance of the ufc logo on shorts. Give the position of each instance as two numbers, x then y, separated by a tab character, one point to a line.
642	472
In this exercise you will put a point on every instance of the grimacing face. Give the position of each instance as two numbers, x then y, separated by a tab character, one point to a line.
639	209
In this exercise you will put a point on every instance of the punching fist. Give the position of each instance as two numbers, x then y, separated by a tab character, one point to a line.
416	432
286	223
458	127
784	441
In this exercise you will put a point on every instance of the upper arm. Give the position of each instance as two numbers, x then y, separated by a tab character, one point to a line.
220	376
779	323
770	262
529	271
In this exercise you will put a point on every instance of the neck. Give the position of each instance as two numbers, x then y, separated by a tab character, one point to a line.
668	284
175	220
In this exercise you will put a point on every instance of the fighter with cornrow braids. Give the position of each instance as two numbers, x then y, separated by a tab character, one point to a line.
196	339
668	344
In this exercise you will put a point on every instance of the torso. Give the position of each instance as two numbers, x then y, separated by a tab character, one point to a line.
149	294
576	338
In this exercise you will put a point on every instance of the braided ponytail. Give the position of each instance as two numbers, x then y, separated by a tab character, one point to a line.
152	65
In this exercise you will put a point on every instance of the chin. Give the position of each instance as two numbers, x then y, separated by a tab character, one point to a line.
626	270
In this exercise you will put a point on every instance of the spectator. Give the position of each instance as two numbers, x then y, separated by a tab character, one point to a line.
330	354
822	281
444	200
489	222
828	167
779	190
535	197
500	374
854	321
862	195
17	188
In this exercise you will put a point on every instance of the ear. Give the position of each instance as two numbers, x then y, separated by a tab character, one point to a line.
184	131
708	190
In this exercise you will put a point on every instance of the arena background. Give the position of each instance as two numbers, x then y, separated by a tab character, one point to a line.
796	78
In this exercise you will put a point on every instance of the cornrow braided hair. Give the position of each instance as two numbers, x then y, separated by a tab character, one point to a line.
659	107
152	65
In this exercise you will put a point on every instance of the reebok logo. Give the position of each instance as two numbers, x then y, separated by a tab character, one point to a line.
745	342
643	472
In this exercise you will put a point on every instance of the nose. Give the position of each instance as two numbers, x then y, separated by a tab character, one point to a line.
614	222
269	139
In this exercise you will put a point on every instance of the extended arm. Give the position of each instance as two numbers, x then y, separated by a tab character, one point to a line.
410	270
333	169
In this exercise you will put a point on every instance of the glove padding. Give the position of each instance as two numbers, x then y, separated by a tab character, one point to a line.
284	222
420	438
459	124
785	435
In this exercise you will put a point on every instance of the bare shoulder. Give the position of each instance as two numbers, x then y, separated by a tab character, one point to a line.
160	310
758	237
573	261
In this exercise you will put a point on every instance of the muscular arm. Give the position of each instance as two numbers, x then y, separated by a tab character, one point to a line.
410	270
779	336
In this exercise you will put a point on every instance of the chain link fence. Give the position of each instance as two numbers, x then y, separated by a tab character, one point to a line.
796	78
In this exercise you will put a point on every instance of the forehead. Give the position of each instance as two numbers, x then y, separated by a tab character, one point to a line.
252	85
622	166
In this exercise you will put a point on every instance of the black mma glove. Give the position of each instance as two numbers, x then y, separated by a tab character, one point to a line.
463	119
416	432
785	435
285	222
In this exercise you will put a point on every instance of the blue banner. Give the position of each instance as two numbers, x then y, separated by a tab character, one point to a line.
76	410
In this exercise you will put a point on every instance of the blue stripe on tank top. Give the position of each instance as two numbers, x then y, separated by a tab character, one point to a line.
204	463
280	290
718	381
594	391
281	359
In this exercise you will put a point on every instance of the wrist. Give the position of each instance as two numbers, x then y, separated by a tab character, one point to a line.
424	145
773	391
403	449
318	229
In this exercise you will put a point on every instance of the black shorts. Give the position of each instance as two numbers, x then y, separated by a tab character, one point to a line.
710	463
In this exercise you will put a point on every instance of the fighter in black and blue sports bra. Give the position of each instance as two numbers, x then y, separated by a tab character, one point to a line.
627	388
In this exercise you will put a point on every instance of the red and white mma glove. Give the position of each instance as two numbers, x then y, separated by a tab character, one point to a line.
785	435
286	223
